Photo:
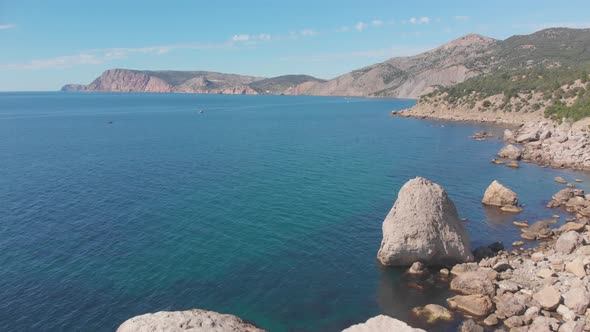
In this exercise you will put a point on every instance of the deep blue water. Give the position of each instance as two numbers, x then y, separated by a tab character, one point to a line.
267	207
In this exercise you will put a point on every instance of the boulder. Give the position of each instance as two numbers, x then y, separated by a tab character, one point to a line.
548	297
572	326
382	323
576	267
567	242
508	305
476	305
511	152
498	195
190	320
475	282
424	226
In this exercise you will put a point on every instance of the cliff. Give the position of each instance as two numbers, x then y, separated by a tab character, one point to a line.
126	80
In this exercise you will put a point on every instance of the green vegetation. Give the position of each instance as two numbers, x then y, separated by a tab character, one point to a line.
577	111
511	83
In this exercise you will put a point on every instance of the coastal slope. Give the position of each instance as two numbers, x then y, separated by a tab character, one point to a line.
529	78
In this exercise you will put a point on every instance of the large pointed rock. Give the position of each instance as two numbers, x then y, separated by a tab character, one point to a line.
423	225
382	323
195	320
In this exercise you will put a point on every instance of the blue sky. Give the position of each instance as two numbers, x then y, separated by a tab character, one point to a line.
49	43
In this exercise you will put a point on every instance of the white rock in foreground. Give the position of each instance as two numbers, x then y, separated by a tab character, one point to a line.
195	320
423	226
382	323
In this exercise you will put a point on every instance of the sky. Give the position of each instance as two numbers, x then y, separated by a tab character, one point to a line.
46	44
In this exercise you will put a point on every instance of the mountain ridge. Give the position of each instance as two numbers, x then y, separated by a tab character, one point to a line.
462	59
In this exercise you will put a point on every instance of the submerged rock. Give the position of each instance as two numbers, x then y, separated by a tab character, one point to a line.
424	226
195	320
432	313
382	323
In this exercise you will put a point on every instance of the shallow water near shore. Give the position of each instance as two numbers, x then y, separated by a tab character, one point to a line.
266	207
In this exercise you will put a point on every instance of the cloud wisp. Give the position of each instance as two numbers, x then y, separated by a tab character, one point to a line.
375	53
99	56
7	26
420	20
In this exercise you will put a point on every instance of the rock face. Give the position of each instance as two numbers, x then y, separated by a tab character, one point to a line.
423	225
126	80
382	323
555	145
498	195
190	320
410	77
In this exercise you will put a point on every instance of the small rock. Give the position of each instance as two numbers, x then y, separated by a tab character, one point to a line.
548	297
517	243
491	320
570	185
444	272
537	257
502	265
559	179
508	305
418	268
513	164
576	267
530	314
544	324
511	209
546	273
521	223
568	242
470	326
565	313
572	226
470	283
513	321
572	326
508	285
577	299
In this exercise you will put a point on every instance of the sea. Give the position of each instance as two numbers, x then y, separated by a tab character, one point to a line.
266	207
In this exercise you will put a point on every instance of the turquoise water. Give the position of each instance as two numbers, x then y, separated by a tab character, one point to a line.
267	207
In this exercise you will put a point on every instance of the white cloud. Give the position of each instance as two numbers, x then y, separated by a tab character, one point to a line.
377	23
308	32
360	26
419	20
382	53
461	18
343	29
241	37
6	26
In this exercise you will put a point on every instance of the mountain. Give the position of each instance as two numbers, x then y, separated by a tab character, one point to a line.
528	77
126	80
287	84
410	77
464	64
